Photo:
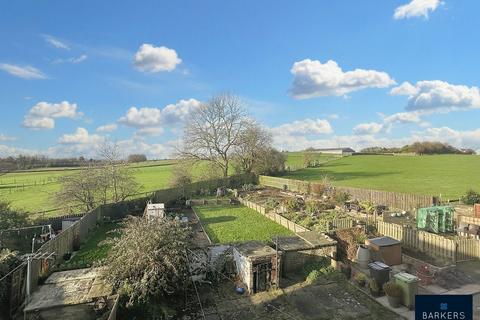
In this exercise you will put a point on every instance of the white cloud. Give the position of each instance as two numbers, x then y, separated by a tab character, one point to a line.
150	131
7	151
151	121
180	110
416	8
457	138
304	127
4	137
43	114
38	123
80	136
155	59
368	128
438	95
24	72
404	117
143	117
314	79
55	42
107	128
74	60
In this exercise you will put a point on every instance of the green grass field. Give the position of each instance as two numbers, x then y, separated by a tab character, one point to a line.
34	190
227	224
448	175
296	159
91	251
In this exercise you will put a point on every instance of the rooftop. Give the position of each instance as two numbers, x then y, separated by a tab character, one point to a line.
69	288
305	241
255	249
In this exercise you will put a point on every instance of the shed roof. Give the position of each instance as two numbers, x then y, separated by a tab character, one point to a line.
305	241
384	241
153	206
69	288
254	249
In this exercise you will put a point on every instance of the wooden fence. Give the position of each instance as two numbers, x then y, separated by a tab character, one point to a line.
339	224
468	220
290	225
395	200
453	249
207	202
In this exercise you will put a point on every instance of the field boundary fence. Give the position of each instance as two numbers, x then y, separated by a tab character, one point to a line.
402	201
290	225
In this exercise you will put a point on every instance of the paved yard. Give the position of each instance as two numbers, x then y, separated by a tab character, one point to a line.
330	301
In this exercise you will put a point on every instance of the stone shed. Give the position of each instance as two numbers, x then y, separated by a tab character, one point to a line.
76	294
303	248
257	266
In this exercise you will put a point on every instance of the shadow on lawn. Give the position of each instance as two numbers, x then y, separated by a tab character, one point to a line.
219	219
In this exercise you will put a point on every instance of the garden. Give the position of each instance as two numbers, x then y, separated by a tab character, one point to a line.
93	251
314	212
237	223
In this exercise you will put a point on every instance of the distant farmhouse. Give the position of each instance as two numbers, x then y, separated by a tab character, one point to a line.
339	151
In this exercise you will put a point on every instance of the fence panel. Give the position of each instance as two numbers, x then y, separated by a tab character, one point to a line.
290	225
455	250
401	201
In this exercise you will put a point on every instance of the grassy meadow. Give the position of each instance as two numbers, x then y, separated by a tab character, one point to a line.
34	190
296	159
446	175
227	224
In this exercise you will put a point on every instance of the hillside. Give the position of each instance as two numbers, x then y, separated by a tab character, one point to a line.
446	175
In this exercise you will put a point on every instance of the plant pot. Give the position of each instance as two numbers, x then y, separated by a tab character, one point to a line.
394	302
374	293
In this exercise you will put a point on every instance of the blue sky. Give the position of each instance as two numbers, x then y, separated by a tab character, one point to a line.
317	73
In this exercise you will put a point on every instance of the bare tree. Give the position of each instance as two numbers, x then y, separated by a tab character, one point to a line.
86	188
110	180
117	172
253	143
214	130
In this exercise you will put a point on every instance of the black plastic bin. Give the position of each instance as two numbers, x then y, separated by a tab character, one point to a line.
380	272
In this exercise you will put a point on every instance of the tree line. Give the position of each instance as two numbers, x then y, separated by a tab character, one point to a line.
421	148
25	162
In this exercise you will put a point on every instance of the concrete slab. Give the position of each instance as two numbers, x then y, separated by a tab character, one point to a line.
69	288
402	311
434	289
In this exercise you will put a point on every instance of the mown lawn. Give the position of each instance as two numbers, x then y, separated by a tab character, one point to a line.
91	251
446	175
228	224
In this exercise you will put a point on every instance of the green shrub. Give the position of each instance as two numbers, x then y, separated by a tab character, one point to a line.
471	197
341	197
392	289
313	206
307	222
271	203
325	273
360	279
293	204
374	287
